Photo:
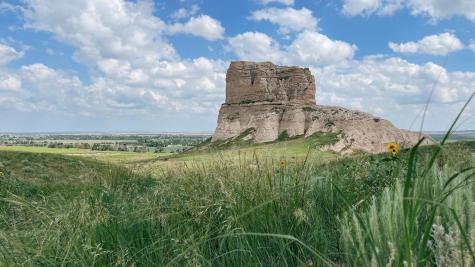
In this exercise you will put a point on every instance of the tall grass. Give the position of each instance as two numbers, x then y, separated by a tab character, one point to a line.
255	213
386	227
404	226
218	213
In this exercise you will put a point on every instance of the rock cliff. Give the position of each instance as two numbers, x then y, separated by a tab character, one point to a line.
264	101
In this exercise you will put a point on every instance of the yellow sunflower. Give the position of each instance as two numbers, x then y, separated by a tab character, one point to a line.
282	164
393	148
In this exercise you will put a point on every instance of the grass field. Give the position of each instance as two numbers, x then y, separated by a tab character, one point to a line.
292	151
235	153
61	209
118	157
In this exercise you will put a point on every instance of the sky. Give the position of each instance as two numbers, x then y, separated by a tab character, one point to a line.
116	65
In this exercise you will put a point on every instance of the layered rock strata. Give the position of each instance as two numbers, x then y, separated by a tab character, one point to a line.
265	101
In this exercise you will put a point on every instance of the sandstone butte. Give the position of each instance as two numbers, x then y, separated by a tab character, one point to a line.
264	101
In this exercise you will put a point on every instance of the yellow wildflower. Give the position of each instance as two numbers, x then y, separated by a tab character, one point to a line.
393	148
2	174
282	164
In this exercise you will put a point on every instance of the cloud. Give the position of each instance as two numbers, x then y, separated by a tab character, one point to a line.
195	86
202	26
9	82
284	2
437	44
308	48
8	54
185	12
368	7
393	88
103	28
37	87
255	46
134	69
441	9
311	48
288	19
360	7
434	9
6	7
472	46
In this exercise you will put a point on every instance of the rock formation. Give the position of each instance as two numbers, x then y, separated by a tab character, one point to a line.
264	101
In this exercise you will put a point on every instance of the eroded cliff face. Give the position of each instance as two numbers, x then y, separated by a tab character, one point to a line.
265	100
250	82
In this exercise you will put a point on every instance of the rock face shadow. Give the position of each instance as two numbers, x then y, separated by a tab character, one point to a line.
274	99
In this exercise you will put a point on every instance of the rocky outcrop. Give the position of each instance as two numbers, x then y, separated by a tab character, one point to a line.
272	100
249	82
359	131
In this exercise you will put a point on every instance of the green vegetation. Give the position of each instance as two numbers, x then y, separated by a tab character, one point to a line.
71	210
294	149
117	157
247	101
456	136
139	143
297	144
283	136
308	109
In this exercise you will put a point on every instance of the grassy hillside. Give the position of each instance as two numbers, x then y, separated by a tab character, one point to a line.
64	210
237	151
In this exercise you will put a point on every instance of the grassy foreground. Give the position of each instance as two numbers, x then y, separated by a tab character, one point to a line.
358	211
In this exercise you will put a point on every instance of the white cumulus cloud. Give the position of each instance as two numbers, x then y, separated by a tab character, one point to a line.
284	2
308	48
134	68
9	82
288	19
103	28
472	46
393	88
357	7
437	44
8	54
185	12
315	48
434	9
442	9
202	26
255	46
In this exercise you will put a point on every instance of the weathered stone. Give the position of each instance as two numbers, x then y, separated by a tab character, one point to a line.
250	82
359	131
271	100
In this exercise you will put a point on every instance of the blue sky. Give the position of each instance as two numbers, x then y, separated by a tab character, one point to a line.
114	65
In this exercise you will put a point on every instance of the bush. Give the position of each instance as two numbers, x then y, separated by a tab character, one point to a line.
283	136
